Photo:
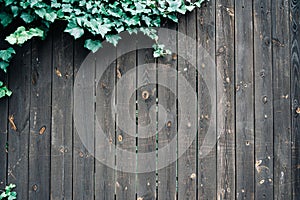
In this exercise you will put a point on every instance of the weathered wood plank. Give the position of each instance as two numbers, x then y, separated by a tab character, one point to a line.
3	127
40	119
105	142
285	188
83	160
225	99
62	105
3	134
126	63
281	95
167	127
263	100
19	110
146	113
187	150
244	100
207	176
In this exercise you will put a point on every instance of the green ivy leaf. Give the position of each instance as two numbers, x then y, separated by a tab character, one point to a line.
4	65
51	16
113	39
15	10
5	19
6	55
27	18
198	3
173	17
190	8
8	2
20	36
93	45
41	12
67	8
74	29
174	5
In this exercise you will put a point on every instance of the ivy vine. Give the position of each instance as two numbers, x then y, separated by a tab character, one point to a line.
8	193
103	19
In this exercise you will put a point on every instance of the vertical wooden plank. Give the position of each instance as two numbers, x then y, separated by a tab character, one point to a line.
83	160
146	100
281	96
40	119
244	100
263	100
167	128
207	176
3	134
225	100
19	108
295	97
105	146
187	172
3	127
126	63
62	105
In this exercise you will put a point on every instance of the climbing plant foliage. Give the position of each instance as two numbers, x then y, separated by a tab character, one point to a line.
101	19
8	194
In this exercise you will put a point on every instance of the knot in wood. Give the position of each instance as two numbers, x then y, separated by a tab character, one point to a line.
169	124
34	187
265	99
145	95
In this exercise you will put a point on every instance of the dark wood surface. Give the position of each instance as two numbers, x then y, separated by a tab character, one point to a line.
246	83
225	112
263	100
282	100
294	40
244	102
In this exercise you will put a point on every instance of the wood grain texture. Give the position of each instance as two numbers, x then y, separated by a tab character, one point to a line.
40	119
3	134
207	164
282	104
19	108
62	126
83	159
244	100
263	100
146	113
225	42
126	64
187	150
167	127
3	127
105	143
285	188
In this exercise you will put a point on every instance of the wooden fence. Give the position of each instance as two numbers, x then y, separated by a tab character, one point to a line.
255	45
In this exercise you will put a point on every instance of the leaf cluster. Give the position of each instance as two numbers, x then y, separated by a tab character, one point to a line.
8	193
100	19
